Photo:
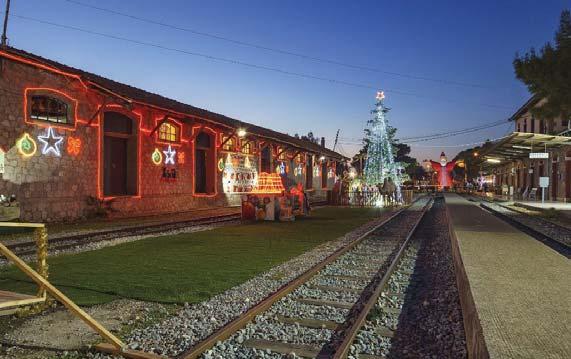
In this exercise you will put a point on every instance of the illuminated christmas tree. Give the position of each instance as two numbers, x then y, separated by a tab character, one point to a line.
380	163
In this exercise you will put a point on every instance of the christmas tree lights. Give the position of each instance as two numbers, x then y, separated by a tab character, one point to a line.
380	163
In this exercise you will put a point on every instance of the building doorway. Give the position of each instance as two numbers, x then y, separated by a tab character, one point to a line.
120	151
568	176
266	160
204	171
309	172
324	174
554	179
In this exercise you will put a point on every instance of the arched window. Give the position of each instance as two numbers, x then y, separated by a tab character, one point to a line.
246	148
229	143
50	109
169	132
283	154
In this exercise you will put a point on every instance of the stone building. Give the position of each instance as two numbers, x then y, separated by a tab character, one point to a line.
549	143
72	142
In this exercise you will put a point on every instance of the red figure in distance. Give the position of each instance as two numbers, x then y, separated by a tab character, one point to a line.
444	171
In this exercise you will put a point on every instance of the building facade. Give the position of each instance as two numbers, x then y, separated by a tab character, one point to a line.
73	143
523	173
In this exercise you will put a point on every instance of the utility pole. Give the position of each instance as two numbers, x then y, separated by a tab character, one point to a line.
336	138
4	38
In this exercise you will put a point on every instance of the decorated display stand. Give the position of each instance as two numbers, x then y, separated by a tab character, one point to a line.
268	201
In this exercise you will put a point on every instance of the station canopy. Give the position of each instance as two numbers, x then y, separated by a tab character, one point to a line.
518	146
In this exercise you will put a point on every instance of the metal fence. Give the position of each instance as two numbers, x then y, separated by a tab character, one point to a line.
370	198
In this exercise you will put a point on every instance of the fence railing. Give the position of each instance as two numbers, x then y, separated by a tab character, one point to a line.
41	239
370	198
115	346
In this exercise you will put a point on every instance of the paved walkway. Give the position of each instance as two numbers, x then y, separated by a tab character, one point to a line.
521	288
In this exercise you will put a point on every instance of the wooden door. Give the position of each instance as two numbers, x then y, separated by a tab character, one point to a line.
309	173
567	179
200	171
324	175
554	180
115	166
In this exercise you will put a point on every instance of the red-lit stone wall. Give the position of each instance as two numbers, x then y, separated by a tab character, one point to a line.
56	188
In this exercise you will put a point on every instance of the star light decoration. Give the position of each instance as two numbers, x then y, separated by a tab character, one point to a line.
51	142
380	95
169	156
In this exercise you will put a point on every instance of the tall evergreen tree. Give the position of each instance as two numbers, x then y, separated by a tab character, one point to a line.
548	74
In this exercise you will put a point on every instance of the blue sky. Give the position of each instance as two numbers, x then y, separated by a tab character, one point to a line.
470	42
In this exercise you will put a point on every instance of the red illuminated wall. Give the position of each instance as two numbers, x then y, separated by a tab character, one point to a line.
51	188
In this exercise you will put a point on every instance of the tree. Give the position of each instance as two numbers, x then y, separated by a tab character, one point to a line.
472	158
400	151
309	137
548	74
402	157
380	163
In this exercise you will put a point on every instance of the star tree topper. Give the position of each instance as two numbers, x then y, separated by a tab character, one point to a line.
169	155
380	95
51	142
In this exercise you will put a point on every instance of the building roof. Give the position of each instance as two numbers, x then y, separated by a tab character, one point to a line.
518	145
525	107
148	98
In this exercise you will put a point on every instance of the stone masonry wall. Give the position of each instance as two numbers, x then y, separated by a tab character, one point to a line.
51	188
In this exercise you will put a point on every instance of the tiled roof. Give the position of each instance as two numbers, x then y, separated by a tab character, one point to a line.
145	97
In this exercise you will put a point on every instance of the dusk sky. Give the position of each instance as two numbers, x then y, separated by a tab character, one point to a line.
472	43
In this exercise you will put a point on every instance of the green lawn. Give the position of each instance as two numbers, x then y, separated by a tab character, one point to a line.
188	267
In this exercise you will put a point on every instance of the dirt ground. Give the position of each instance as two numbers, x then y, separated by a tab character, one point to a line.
58	334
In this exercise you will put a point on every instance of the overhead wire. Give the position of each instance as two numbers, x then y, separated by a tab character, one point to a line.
247	64
273	49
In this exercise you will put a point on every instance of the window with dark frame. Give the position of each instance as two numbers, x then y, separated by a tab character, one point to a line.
229	144
49	109
246	148
169	132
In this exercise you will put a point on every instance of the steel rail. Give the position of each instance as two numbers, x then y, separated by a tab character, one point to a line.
60	243
240	322
349	334
549	222
551	242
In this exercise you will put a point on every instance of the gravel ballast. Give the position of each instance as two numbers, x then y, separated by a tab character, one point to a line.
195	322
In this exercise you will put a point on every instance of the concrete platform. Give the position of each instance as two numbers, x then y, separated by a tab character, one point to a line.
563	208
515	291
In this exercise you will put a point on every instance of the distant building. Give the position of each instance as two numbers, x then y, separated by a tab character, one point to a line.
508	160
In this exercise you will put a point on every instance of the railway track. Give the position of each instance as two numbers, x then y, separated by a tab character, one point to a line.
418	313
67	242
542	236
319	314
